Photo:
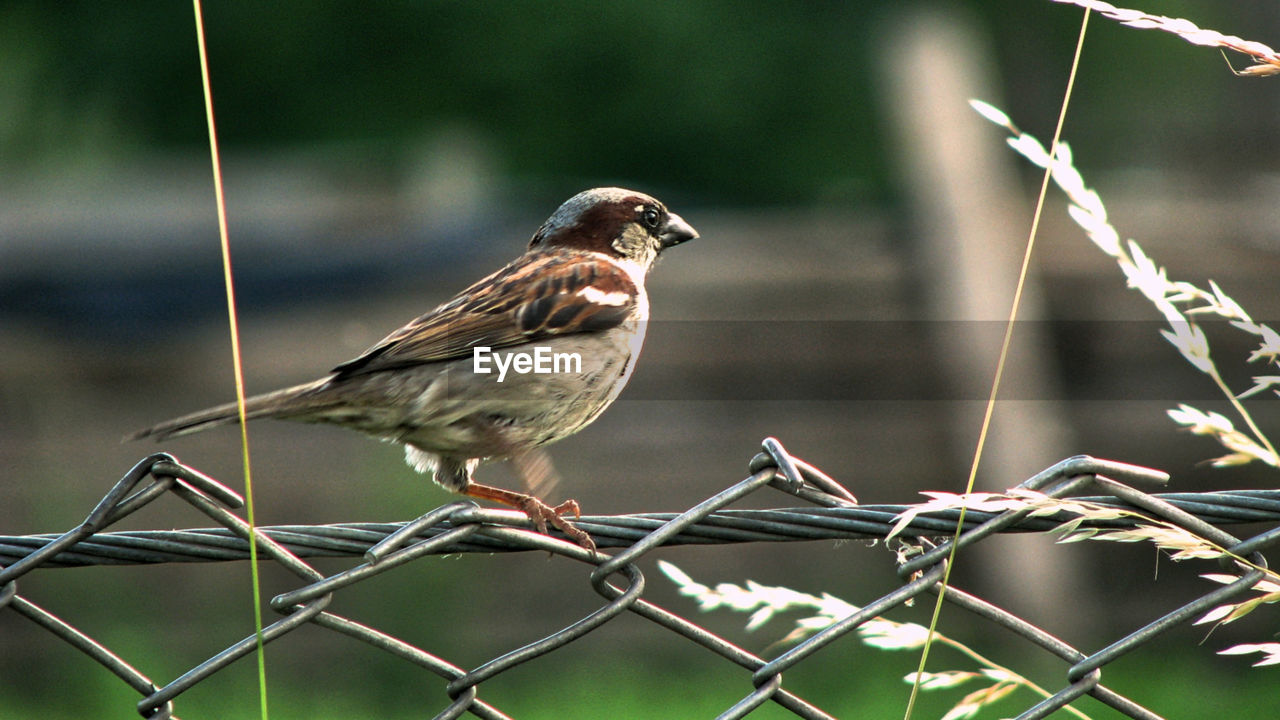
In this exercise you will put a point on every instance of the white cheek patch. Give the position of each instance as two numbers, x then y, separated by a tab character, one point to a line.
599	297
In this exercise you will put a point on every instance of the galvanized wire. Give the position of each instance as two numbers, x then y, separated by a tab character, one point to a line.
218	544
464	527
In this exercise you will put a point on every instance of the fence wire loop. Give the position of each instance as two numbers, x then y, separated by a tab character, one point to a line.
464	527
799	477
198	481
399	538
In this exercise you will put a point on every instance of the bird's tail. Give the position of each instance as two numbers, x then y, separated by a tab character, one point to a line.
280	403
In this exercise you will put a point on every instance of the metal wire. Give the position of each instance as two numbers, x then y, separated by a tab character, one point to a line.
464	527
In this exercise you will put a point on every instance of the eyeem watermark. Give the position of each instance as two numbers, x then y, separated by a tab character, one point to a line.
541	361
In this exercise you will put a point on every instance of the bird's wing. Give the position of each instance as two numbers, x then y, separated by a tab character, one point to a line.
541	295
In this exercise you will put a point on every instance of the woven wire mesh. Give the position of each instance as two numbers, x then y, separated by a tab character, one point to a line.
616	575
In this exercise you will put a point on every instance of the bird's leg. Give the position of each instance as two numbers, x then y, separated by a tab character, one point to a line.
538	511
538	477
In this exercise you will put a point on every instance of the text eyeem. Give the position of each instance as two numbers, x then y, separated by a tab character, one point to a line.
541	361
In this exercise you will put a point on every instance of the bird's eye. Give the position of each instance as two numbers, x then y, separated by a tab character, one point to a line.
651	217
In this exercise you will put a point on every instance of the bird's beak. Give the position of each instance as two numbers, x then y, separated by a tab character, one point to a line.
676	231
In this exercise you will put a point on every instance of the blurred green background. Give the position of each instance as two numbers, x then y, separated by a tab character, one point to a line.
380	156
680	95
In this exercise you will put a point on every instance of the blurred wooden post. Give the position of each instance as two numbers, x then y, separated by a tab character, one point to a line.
971	219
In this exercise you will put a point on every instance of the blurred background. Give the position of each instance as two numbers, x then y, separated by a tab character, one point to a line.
861	233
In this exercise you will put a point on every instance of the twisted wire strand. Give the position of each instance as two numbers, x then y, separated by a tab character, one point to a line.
219	544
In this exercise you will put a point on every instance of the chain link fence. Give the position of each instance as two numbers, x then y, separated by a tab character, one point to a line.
616	576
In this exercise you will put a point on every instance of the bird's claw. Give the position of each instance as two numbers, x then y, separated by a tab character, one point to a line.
540	514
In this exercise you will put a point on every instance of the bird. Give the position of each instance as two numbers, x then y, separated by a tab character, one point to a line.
524	357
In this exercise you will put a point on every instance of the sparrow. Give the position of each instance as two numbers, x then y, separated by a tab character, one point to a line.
568	317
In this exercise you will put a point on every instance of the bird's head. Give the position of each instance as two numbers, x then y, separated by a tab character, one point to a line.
627	224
